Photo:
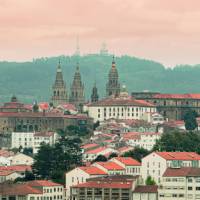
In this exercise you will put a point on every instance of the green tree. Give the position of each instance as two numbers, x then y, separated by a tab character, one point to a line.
112	155
190	120
43	165
51	162
100	158
150	181
138	153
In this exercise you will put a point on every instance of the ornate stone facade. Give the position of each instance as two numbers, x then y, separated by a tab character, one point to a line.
77	96
113	85
59	89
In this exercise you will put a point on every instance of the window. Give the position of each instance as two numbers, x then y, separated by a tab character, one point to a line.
189	188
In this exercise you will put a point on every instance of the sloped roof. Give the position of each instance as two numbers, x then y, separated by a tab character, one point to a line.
179	155
183	171
92	170
128	161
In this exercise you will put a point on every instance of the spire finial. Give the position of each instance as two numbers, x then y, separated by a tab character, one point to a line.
113	62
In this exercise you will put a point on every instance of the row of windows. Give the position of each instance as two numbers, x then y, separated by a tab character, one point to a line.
127	109
58	189
189	196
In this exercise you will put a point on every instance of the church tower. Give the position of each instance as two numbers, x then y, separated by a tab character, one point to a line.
59	89
113	85
94	96
77	89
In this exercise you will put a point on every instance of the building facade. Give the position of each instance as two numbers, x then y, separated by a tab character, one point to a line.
180	183
171	106
156	163
119	108
59	89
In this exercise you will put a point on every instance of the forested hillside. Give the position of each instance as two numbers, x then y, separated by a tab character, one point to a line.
33	80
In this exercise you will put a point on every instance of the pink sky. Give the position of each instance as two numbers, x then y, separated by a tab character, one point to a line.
167	31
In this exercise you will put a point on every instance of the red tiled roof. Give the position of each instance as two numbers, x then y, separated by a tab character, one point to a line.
96	184
183	171
92	170
43	183
128	161
87	146
122	101
18	189
16	168
179	155
5	172
95	151
146	189
6	153
177	96
43	105
110	165
124	149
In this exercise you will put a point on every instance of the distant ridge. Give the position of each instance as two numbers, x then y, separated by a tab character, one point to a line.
33	80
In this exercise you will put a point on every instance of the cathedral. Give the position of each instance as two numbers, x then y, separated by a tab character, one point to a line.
59	88
113	85
77	96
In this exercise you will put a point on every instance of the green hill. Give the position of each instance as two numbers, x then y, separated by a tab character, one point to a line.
33	80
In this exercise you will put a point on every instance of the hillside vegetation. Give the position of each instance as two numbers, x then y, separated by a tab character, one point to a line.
33	80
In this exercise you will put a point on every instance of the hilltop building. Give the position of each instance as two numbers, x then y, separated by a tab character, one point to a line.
59	88
113	85
77	96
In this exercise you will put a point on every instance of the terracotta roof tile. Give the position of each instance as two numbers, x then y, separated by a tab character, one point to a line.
128	161
183	171
43	183
110	165
92	170
179	155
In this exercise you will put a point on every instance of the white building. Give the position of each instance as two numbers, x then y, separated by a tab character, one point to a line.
145	140
131	166
119	108
44	137
79	175
4	161
21	159
8	176
32	139
22	139
33	190
153	118
156	163
180	183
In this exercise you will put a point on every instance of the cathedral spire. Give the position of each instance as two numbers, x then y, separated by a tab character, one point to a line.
113	85
77	89
59	88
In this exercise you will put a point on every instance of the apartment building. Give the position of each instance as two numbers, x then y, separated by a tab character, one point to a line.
131	166
180	183
156	163
107	188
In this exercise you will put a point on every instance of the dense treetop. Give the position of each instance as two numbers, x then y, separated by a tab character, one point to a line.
33	80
